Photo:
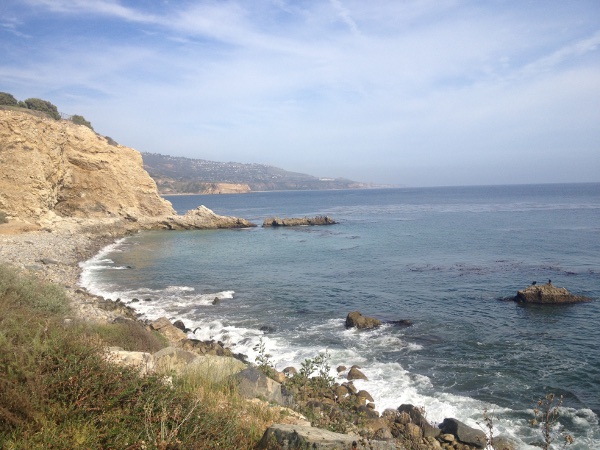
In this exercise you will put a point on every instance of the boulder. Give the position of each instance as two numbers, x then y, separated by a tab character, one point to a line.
255	384
142	361
357	320
464	433
179	324
168	330
415	415
173	359
548	294
355	374
288	437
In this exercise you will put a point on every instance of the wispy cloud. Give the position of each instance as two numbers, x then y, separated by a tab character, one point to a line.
321	86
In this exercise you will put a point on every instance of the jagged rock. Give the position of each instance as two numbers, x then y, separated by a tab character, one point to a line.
356	319
205	347
166	328
288	437
255	384
415	415
548	294
355	374
463	433
57	168
294	222
204	218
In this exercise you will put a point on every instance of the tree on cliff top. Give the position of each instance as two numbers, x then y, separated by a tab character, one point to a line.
80	120
7	99
37	104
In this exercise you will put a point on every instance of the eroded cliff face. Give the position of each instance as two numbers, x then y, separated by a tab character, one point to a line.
57	168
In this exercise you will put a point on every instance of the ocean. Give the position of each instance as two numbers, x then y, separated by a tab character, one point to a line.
446	259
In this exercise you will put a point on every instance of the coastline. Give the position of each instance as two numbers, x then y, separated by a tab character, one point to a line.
53	255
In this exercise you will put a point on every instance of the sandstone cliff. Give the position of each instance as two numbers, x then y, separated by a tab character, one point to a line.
51	170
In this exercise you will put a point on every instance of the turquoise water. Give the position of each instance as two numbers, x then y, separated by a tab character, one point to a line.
444	258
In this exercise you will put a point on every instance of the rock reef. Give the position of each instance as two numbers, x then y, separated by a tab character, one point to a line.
298	221
548	294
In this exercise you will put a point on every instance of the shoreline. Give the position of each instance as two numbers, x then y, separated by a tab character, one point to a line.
54	255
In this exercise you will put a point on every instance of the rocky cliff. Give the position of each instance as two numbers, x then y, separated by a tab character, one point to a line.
56	169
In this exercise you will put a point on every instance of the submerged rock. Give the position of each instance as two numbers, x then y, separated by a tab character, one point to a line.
548	294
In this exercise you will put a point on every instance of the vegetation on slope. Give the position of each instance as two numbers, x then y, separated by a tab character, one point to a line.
58	390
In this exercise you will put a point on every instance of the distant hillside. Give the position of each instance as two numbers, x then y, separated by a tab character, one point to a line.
177	175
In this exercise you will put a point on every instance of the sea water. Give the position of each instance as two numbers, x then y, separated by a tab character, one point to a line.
445	259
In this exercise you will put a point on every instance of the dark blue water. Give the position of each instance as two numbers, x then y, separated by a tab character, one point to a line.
444	258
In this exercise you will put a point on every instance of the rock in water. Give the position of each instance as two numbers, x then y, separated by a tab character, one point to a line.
548	294
356	319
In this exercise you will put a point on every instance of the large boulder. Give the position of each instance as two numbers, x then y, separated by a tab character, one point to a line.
173	359
464	433
411	414
288	437
357	320
255	384
142	361
548	294
168	330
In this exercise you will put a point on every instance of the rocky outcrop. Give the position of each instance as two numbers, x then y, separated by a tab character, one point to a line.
357	320
203	218
58	167
255	384
294	222
288	437
51	171
464	433
548	294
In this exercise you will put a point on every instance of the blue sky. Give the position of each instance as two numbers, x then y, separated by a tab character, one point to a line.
417	93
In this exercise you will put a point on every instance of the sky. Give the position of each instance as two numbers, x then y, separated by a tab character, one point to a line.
402	92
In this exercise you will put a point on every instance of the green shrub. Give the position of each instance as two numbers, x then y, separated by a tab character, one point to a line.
80	120
58	390
3	218
7	99
130	335
44	106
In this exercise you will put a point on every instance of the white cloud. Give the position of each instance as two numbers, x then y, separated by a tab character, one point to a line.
342	86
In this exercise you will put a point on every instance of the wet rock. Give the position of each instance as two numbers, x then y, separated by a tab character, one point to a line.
357	320
356	374
464	433
294	222
179	324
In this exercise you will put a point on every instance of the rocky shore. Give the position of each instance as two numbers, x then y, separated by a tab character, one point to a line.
53	254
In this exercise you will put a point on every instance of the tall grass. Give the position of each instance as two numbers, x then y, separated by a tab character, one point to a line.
57	389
